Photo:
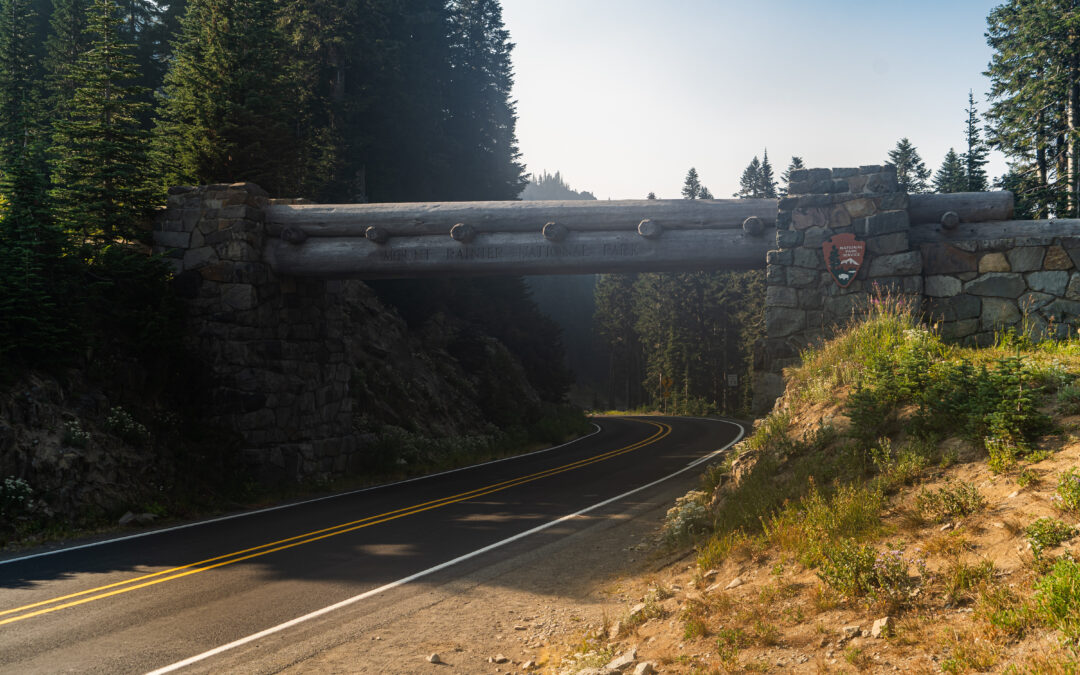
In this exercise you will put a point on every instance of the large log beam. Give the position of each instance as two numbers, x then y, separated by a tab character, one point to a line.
1005	229
412	219
519	254
970	207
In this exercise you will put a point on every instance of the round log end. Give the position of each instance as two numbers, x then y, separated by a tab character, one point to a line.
753	226
650	229
293	235
463	233
555	232
377	234
950	219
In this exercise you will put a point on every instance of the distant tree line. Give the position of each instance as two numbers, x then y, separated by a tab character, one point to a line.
106	103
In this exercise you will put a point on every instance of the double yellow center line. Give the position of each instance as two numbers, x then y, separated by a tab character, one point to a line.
73	599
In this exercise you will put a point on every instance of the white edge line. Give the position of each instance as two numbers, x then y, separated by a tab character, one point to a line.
292	504
401	582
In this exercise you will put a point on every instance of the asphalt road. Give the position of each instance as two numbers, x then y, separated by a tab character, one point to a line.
162	601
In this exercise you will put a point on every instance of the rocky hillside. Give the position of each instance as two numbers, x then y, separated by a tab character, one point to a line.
86	447
910	506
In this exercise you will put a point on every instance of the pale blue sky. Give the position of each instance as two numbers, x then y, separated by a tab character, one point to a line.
623	96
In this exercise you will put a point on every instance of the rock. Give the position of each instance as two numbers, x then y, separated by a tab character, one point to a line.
998	312
528	665
1013	495
897	264
883	627
998	284
645	668
943	286
623	661
946	526
144	518
434	658
994	262
615	630
1057	259
848	632
499	658
1053	283
127	518
734	583
1026	258
636	610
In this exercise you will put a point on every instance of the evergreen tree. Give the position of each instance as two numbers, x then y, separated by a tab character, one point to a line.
66	43
483	117
950	177
31	312
228	105
691	185
100	163
785	178
1034	116
651	195
768	183
974	160
750	184
911	171
704	193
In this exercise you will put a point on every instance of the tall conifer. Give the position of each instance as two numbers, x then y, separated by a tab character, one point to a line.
100	165
974	159
951	176
911	171
767	180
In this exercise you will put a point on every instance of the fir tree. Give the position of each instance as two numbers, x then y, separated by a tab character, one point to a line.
974	160
67	41
911	171
950	177
483	117
785	178
691	185
750	184
768	182
228	106
704	193
100	163
31	315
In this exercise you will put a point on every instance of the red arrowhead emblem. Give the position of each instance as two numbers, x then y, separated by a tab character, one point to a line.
843	257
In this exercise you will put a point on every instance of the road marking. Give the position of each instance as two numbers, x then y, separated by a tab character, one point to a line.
245	514
431	570
170	574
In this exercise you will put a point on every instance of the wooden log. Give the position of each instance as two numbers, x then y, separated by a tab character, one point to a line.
970	207
519	254
1004	229
410	219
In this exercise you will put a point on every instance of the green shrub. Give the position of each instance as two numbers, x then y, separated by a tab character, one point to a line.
74	436
1057	599
688	519
857	571
1067	493
123	425
15	498
954	500
1047	533
1068	400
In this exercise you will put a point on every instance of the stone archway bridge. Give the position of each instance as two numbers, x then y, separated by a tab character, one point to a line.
263	277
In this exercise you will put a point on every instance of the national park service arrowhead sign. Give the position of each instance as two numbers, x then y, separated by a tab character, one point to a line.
843	257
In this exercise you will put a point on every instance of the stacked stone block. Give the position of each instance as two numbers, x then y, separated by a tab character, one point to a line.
803	300
272	347
976	288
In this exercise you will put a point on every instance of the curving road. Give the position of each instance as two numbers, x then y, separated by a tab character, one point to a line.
187	598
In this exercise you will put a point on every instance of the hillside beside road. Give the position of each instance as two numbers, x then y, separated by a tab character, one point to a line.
910	506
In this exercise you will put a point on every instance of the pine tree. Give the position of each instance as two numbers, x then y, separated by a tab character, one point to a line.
691	185
768	183
100	164
785	178
974	160
911	171
704	193
651	195
950	177
228	105
750	184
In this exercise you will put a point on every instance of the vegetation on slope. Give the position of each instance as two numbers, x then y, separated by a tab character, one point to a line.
929	486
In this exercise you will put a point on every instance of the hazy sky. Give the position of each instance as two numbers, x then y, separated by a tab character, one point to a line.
623	96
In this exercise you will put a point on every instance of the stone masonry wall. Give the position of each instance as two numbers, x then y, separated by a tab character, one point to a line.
976	288
272	346
970	289
803	301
